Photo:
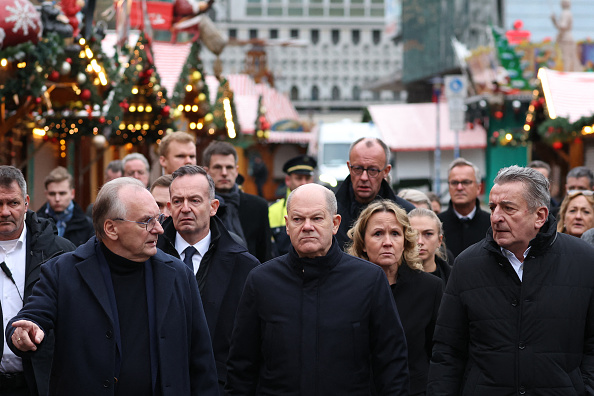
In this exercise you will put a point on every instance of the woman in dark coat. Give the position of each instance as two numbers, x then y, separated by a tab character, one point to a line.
430	240
382	234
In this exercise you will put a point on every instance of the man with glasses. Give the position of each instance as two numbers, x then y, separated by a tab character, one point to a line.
464	222
128	319
369	164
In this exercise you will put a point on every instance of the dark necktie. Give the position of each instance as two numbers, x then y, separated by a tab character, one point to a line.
189	253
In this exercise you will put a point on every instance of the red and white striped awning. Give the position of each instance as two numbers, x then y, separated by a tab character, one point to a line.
290	137
568	94
412	127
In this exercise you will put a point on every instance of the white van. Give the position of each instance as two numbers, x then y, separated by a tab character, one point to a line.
331	148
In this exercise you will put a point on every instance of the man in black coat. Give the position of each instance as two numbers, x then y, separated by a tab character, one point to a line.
127	317
243	214
369	166
317	321
33	243
71	221
464	222
221	265
517	316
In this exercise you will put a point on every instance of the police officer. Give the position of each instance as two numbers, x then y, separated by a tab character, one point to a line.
299	171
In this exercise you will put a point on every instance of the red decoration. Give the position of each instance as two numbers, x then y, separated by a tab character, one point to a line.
499	114
102	120
149	72
165	111
20	22
37	100
578	141
69	60
85	94
557	145
124	105
54	76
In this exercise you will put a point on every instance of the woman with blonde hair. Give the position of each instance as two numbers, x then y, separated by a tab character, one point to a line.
576	214
382	234
430	242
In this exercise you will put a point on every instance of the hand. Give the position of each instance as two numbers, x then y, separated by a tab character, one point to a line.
26	335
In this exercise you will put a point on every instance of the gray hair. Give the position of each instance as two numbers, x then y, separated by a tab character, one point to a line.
108	204
415	196
538	164
136	156
115	166
369	142
581	171
196	170
588	236
463	162
331	204
10	174
536	192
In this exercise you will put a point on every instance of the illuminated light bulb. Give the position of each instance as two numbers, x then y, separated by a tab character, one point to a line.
148	108
188	108
192	125
199	125
89	53
145	126
132	108
194	108
508	137
134	90
102	78
3	62
140	108
130	127
122	126
526	127
138	126
188	88
180	107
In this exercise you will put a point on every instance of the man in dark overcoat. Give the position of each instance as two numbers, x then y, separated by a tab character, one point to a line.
517	316
127	317
317	321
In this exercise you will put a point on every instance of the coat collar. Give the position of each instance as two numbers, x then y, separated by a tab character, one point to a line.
163	270
545	238
313	268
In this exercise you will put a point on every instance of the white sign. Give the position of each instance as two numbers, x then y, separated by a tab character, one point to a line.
456	90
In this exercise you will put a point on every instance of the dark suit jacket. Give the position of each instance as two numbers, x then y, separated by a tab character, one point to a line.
71	298
42	244
458	234
228	266
253	216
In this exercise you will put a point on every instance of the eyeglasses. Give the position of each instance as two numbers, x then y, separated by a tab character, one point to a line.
583	192
465	183
371	172
149	224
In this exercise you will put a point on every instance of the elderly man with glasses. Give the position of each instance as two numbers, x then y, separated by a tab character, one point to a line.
464	222
127	317
369	165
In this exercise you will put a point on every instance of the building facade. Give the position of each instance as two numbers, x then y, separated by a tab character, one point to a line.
326	54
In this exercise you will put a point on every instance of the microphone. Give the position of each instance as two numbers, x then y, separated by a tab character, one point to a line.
8	274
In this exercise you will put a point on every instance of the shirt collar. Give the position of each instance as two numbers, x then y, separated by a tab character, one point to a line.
201	246
469	216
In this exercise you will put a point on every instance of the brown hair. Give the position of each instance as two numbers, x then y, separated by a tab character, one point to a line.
179	136
58	175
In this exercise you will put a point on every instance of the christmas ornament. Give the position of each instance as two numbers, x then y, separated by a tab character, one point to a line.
81	78
65	69
85	94
19	22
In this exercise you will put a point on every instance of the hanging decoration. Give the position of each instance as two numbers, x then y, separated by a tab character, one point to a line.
139	107
262	125
191	94
510	61
225	121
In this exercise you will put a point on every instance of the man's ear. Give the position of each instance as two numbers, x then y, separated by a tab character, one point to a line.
110	229
542	214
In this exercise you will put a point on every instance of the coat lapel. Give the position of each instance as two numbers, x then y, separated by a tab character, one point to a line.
164	278
91	275
221	270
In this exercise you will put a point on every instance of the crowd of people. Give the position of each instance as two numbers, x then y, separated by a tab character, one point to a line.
190	286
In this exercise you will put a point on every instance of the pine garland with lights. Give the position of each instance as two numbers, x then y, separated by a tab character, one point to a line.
77	87
191	96
225	121
24	67
560	130
139	107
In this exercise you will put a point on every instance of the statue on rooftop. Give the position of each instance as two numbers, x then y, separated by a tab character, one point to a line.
565	39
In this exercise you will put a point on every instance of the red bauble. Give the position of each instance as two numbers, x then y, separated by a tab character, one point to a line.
499	114
69	60
557	145
165	111
124	105
20	22
149	72
102	120
54	76
37	100
85	94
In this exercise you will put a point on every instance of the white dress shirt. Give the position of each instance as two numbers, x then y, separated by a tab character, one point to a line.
513	260
201	247
14	254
